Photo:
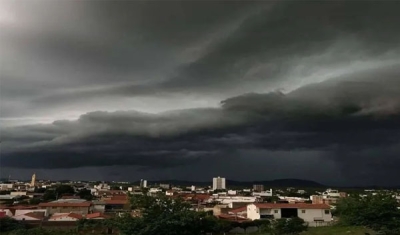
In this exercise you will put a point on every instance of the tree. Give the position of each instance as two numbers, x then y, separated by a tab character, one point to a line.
286	226
85	194
8	224
40	190
49	195
163	215
378	212
35	201
64	190
40	231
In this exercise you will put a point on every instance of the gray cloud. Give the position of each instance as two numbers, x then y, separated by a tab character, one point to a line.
90	54
260	82
340	124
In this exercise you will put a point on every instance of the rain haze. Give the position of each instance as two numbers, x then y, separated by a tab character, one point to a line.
124	90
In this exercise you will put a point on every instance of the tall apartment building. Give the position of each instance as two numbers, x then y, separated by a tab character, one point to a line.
219	183
258	187
33	181
165	186
143	183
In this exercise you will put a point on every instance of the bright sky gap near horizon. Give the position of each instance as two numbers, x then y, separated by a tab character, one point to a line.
119	90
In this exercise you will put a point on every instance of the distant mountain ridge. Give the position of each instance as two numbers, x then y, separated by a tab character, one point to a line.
230	183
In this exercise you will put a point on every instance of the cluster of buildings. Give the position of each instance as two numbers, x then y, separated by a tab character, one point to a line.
240	205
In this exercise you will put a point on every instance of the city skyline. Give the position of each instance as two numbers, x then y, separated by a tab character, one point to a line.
189	90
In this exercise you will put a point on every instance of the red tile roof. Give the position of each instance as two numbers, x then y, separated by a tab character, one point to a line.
116	202
119	197
35	215
76	216
238	210
191	196
288	205
202	197
70	197
65	204
96	215
17	207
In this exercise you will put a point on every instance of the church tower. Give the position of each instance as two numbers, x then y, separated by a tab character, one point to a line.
33	182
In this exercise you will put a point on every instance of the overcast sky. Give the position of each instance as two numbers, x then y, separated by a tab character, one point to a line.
123	90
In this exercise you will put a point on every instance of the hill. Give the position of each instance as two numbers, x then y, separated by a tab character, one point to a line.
233	183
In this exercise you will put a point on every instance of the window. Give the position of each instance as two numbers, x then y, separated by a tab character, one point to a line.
276	211
303	211
326	212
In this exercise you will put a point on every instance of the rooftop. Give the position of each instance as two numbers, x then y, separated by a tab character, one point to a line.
288	205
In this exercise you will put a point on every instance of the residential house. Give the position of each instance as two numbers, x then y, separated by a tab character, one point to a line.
99	206
115	205
67	206
313	214
235	205
19	193
29	216
239	212
25	211
65	217
170	192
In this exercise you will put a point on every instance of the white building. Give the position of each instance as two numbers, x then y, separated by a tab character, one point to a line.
230	199
65	217
329	193
219	183
266	193
6	186
143	183
313	214
102	187
232	192
154	190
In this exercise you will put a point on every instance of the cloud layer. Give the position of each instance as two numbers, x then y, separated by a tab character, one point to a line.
177	85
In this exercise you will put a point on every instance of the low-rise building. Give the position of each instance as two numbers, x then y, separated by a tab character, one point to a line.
67	206
30	216
229	199
5	187
313	214
99	206
266	193
232	192
115	205
66	217
26	211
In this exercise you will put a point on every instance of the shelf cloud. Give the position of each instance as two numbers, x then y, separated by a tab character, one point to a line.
192	89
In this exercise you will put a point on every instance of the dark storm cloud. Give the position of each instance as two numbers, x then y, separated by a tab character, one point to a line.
343	124
307	82
158	49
